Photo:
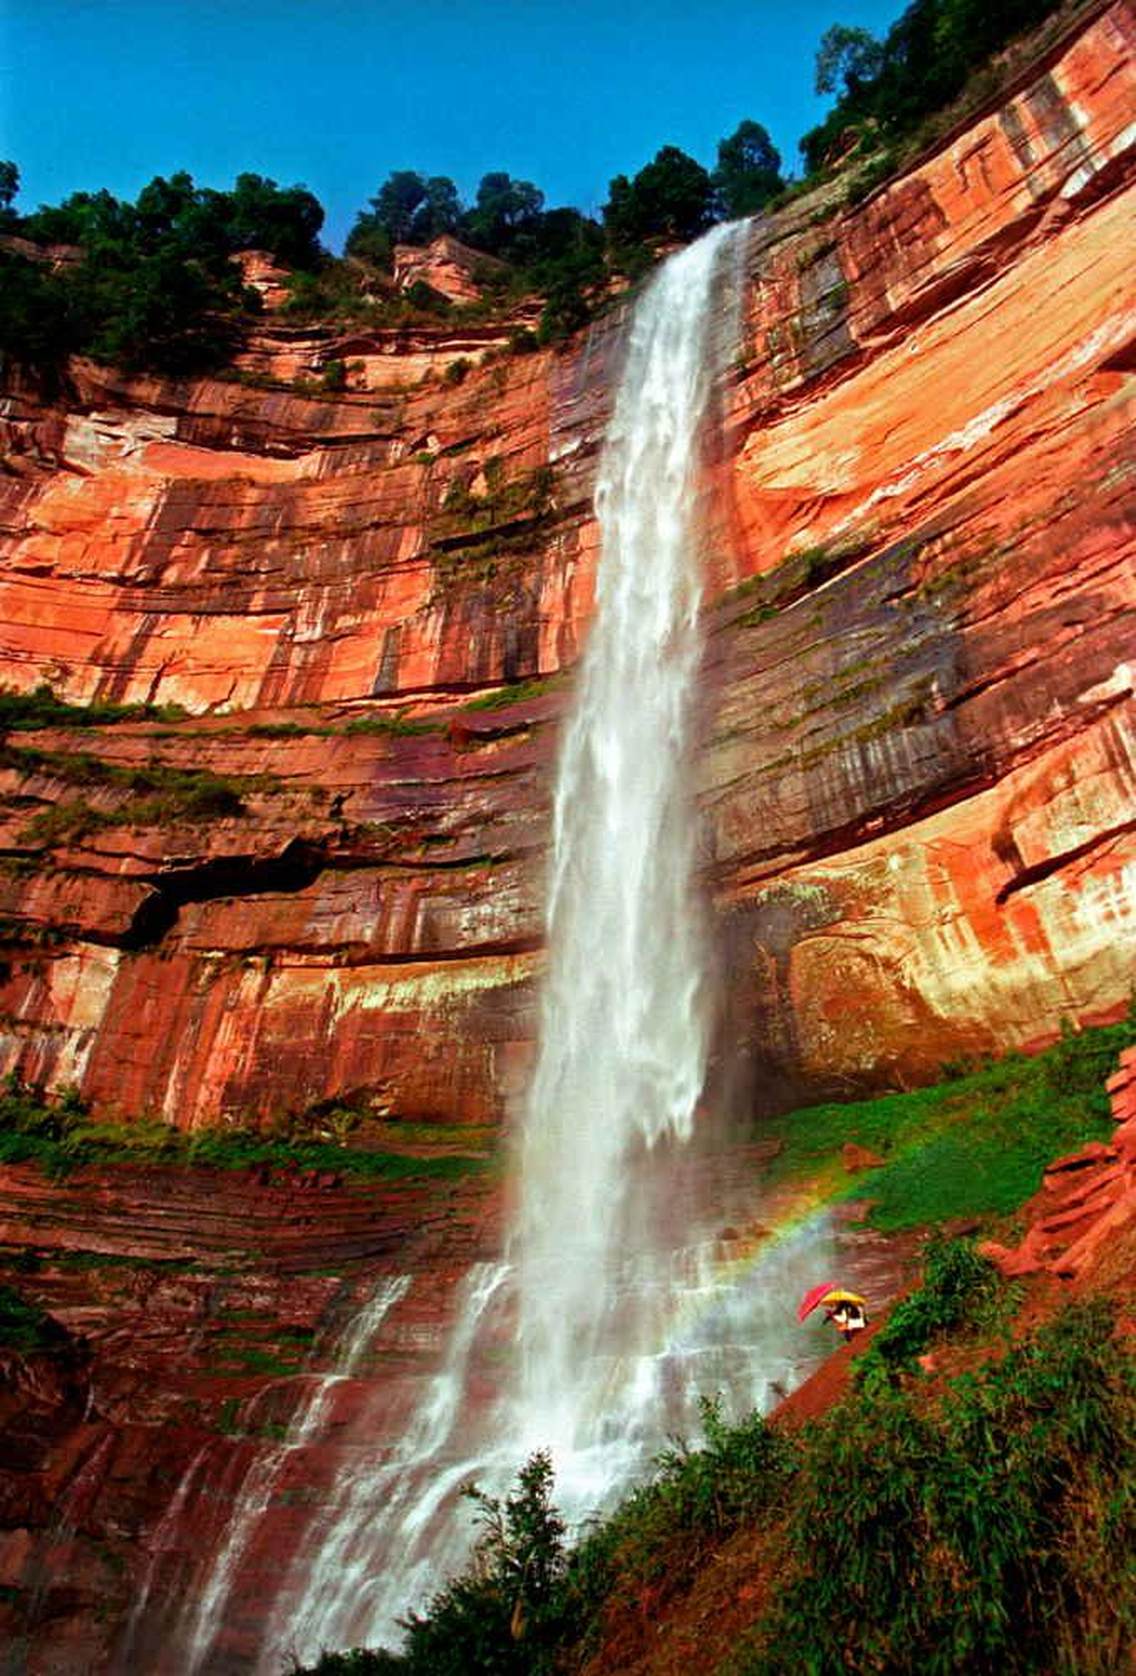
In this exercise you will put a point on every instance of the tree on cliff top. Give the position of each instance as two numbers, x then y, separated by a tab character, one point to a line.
285	220
748	172
207	225
156	286
408	208
672	197
9	186
847	59
887	88
504	211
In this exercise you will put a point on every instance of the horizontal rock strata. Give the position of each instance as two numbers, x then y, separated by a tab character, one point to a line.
916	773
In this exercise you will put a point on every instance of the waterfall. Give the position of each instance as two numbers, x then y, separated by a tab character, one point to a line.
626	1292
204	1611
624	1031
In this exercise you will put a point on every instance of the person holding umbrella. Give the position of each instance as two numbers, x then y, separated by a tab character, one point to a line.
846	1310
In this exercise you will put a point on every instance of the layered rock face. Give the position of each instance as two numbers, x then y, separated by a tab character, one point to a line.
192	1315
917	773
1081	1226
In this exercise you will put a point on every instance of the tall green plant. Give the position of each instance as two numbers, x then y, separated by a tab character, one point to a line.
990	1533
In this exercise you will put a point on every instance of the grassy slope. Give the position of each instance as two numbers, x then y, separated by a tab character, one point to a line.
972	1146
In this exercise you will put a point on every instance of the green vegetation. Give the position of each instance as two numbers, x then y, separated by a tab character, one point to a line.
887	89
153	794
24	1327
987	1525
397	724
58	1134
151	284
971	1146
528	497
961	1291
748	175
26	712
515	692
671	197
695	1499
991	1531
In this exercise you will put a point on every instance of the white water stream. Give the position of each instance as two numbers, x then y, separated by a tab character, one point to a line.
204	1612
623	1296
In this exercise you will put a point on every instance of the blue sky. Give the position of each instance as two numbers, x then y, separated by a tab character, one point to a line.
336	93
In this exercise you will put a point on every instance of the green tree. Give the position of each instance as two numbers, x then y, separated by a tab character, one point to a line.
886	89
85	218
9	187
408	208
396	203
503	1617
439	212
36	329
370	241
285	221
748	172
504	210
846	59
671	197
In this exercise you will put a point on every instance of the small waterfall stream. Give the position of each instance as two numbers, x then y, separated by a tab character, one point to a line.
204	1611
623	1295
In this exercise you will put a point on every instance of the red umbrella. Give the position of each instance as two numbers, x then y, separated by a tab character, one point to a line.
812	1298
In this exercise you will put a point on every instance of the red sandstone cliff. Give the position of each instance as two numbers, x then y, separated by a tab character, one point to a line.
917	774
917	778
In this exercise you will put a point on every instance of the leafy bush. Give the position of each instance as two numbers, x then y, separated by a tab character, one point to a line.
505	1614
24	1327
992	1532
25	712
697	1497
959	1288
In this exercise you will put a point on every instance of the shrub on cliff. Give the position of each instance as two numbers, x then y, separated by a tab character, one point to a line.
154	285
504	1616
24	1327
992	1531
960	1287
672	197
887	88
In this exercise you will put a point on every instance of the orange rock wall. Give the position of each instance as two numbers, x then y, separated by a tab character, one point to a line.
917	778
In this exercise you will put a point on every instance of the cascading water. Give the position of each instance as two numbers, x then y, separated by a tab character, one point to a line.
204	1611
621	1300
624	1032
